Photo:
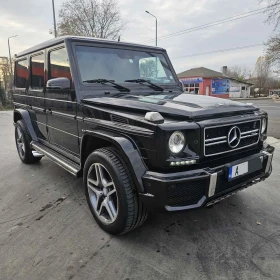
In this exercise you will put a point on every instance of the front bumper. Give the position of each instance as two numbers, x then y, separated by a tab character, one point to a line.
201	187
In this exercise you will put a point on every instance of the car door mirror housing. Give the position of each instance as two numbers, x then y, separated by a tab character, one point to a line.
58	83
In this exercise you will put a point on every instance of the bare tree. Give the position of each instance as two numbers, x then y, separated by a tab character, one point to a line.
262	72
238	72
5	73
273	44
92	18
273	12
273	49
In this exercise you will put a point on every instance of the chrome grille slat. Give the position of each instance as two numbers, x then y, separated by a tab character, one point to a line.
251	131
216	143
247	136
216	137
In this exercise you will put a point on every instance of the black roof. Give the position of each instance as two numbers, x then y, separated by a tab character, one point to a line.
62	39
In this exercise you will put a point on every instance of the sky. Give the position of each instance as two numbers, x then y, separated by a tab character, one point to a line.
31	20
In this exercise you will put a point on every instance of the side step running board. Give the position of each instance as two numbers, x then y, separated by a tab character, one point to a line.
65	163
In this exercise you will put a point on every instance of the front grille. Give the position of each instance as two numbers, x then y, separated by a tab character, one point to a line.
216	138
187	193
223	184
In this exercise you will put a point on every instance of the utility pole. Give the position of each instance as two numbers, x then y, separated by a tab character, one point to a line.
54	21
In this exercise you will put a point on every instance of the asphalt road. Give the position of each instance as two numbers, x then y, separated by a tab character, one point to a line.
273	110
47	231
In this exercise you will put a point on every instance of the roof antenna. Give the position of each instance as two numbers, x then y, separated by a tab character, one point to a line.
119	39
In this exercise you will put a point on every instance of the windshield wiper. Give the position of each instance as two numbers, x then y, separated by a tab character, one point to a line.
104	81
141	81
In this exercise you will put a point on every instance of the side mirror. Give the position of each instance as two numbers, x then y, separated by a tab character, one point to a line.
58	83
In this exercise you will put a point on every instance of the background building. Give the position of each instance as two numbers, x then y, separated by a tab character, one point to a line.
205	81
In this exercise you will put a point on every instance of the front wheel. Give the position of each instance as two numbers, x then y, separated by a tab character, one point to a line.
110	192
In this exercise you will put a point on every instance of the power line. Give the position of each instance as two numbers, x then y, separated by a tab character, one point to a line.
225	20
217	51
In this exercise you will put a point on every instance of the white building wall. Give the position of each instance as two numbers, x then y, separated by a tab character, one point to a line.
235	90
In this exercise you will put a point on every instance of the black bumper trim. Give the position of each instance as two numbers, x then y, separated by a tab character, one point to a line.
198	188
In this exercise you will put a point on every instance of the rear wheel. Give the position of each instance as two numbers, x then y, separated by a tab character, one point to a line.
110	192
23	140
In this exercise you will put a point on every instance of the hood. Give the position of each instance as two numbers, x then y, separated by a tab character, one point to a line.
183	105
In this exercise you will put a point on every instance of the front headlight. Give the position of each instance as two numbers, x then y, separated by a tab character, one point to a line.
177	142
264	124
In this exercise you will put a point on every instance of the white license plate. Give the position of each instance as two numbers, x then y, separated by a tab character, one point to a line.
238	170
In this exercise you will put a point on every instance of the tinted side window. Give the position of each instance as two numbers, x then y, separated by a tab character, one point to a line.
21	73
37	71
59	64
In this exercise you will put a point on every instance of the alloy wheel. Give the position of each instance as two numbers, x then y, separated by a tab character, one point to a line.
102	193
20	143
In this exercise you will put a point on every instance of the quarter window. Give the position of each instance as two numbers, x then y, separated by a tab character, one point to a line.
37	71
21	73
59	64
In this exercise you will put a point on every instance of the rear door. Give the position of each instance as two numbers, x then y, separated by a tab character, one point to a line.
36	93
61	104
21	82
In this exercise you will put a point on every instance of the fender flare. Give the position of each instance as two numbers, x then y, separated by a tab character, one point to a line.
25	116
128	151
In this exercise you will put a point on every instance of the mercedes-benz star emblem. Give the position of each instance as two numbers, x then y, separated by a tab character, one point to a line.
234	137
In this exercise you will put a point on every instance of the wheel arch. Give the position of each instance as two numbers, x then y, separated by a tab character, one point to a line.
92	140
20	114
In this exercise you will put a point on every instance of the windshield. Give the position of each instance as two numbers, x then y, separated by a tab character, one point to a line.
120	65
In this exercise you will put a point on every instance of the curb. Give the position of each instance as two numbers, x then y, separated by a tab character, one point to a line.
259	98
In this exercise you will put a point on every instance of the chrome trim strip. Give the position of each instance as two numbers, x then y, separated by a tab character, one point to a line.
147	194
212	184
269	160
248	132
62	131
216	143
231	124
45	98
214	139
56	113
247	136
180	208
57	160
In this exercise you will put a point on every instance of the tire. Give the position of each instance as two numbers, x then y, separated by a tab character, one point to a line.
23	140
127	212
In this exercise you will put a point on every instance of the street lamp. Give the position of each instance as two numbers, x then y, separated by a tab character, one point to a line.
156	23
54	21
10	53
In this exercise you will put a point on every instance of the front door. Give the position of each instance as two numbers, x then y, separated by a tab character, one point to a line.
61	105
207	90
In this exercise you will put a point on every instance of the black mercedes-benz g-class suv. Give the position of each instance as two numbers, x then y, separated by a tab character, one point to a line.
115	113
